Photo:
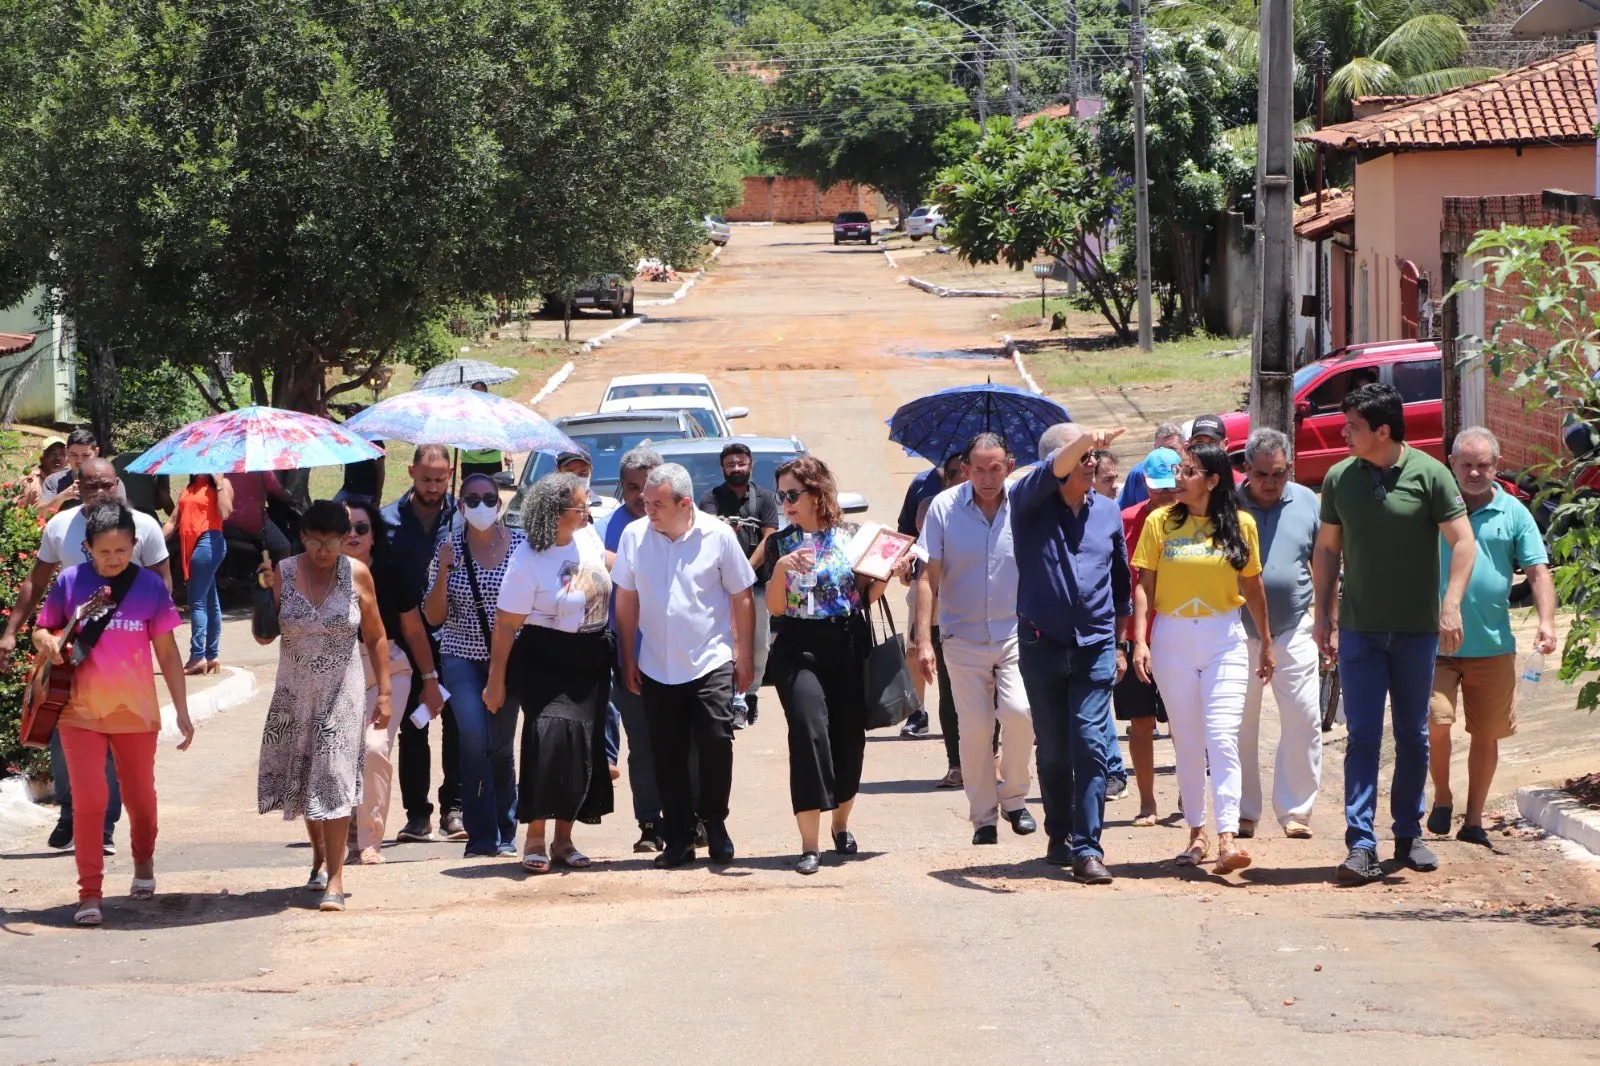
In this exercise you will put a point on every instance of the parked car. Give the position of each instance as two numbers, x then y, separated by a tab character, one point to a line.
649	386
606	437
852	226
718	232
699	408
1414	368
603	292
702	458
925	221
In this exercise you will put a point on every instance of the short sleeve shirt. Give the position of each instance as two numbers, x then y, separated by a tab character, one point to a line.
462	635
1193	577
834	593
1288	532
114	690
1391	520
62	543
1508	537
564	587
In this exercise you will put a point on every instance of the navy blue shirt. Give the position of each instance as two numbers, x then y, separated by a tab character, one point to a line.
411	545
1073	581
925	486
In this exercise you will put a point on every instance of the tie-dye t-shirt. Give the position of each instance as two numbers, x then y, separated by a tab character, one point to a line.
114	691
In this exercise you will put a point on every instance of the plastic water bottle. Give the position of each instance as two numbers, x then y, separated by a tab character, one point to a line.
1532	671
808	542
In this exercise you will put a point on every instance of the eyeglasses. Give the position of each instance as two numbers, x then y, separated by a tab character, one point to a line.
1380	491
323	544
584	509
1187	472
361	529
487	499
791	495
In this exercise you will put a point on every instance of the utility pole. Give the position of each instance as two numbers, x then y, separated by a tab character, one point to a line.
1272	391
1141	182
1072	58
1319	56
1013	87
983	90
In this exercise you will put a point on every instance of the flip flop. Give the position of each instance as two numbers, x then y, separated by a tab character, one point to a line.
1296	830
1237	859
87	915
1194	854
142	888
1144	821
1439	821
573	859
536	862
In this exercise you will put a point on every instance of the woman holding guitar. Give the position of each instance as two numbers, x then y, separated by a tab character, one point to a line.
113	702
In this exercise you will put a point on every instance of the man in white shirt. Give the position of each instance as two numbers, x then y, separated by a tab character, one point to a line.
61	489
971	573
684	592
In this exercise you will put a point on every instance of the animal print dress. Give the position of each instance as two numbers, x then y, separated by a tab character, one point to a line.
311	749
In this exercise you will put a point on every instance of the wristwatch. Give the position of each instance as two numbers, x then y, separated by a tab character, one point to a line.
431	675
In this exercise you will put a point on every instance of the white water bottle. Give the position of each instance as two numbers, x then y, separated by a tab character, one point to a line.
1532	671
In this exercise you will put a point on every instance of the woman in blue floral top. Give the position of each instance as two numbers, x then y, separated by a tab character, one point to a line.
819	653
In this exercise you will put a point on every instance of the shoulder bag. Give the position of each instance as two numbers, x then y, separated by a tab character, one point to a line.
890	695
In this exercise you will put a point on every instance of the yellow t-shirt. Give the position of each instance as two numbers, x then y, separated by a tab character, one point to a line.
1193	578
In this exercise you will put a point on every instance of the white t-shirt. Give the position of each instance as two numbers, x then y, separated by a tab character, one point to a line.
62	542
563	587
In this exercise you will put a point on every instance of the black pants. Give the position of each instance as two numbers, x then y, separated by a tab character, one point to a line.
816	665
697	714
416	762
949	725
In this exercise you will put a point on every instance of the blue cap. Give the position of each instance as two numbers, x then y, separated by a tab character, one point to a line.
1161	468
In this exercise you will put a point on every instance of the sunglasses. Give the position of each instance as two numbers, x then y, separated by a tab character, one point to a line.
361	529
323	544
487	499
791	496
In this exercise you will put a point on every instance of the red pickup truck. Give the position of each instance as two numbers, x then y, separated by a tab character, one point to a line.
1413	367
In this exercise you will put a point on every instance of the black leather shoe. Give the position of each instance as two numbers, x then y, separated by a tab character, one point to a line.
61	835
1058	854
845	843
676	855
809	863
1089	870
720	843
1022	822
986	834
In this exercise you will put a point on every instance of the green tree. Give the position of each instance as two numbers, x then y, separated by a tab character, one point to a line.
1044	191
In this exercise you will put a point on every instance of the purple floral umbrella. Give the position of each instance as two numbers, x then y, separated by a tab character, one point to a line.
461	418
255	438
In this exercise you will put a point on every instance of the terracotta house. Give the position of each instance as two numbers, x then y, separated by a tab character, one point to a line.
1521	132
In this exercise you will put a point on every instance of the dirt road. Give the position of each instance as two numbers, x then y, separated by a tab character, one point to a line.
921	949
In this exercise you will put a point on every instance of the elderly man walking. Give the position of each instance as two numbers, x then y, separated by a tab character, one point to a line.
971	571
1383	510
1287	523
684	591
1484	669
1074	595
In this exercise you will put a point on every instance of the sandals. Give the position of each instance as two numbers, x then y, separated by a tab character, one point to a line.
536	862
1295	829
1232	859
572	858
88	914
1144	821
1195	853
142	888
1247	829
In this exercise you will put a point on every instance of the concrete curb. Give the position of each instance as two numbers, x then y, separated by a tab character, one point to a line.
892	263
683	290
614	331
552	383
1022	368
1558	813
752	223
238	687
990	294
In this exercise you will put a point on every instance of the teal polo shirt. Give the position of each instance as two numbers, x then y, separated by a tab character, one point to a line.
1508	537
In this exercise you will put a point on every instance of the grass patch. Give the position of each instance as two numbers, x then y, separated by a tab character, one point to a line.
534	360
1197	361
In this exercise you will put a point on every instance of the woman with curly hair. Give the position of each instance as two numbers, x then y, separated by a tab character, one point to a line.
551	623
1199	561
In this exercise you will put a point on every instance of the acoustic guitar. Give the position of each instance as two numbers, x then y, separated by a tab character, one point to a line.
50	685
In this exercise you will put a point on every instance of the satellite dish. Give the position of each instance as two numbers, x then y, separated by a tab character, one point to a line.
1557	18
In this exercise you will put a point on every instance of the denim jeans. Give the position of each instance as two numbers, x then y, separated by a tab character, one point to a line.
488	756
1069	692
63	785
205	606
1373	666
641	763
613	735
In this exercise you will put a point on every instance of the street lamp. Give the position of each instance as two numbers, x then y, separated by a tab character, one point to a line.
1041	271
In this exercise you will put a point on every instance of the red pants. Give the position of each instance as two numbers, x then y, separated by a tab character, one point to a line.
135	755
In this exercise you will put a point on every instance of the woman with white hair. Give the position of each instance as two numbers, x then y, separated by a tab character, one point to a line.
553	609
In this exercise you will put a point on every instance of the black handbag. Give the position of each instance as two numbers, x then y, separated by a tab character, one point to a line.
890	695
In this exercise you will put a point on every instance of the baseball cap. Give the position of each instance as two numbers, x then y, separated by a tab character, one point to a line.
51	442
1209	426
563	458
1161	468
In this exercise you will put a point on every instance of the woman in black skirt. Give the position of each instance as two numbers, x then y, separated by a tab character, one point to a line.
551	626
819	652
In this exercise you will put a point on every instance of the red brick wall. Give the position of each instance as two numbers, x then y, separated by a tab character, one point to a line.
780	199
1524	424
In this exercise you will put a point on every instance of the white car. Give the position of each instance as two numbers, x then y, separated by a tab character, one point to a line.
925	221
718	231
622	392
703	411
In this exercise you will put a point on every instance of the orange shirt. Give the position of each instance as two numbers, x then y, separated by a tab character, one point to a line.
198	514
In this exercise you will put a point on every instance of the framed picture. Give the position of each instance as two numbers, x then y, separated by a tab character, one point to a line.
881	552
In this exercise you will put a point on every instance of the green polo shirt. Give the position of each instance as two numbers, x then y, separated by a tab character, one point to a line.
1391	540
1508	537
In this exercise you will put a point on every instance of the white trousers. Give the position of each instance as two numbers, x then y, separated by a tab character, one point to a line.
987	684
1202	667
1297	690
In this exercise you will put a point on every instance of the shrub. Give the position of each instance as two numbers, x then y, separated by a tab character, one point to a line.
19	539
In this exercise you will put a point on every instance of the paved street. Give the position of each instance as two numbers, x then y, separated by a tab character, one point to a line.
875	960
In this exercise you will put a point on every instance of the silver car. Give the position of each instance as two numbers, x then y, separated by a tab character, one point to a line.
607	438
702	457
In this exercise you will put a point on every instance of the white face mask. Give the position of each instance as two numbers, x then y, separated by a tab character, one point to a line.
584	481
482	516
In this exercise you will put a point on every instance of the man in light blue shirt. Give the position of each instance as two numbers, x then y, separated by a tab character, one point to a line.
971	572
1484	669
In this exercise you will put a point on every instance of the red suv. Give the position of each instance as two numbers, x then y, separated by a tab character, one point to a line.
852	226
1414	368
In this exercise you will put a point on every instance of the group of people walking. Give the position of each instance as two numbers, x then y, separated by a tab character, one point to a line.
1048	608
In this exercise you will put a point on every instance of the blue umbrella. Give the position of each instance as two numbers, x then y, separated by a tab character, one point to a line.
938	425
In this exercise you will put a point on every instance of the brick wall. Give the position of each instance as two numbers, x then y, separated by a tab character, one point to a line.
780	199
1524	425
